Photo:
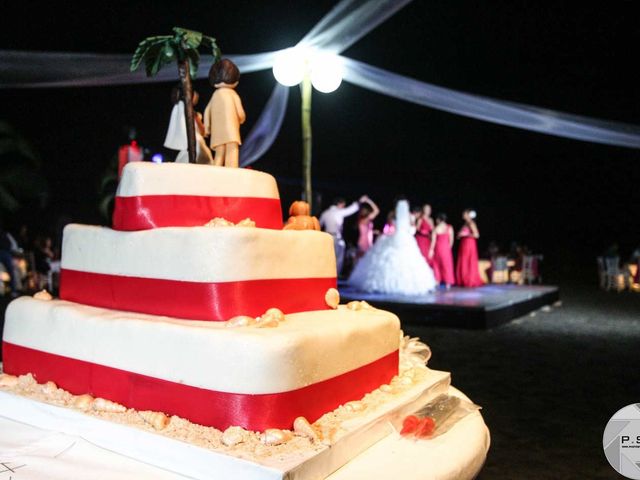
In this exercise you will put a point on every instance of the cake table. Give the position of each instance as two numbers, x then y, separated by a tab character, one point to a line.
32	453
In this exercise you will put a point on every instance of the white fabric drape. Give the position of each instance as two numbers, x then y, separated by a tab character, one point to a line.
266	128
345	24
348	22
20	69
516	115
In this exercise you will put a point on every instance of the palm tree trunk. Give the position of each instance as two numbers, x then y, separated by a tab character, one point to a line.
187	94
305	91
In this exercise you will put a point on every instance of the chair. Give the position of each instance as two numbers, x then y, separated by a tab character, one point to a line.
614	277
484	266
499	270
531	269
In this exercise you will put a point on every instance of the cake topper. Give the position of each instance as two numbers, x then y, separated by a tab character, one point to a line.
224	114
176	138
182	47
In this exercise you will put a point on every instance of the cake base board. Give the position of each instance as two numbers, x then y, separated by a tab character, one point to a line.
356	435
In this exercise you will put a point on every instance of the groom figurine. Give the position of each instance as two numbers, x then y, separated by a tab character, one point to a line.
331	221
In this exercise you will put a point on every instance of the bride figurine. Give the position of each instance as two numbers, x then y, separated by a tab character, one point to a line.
394	265
176	138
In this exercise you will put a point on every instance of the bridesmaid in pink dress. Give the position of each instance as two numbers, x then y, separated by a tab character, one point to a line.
424	227
440	251
368	212
467	271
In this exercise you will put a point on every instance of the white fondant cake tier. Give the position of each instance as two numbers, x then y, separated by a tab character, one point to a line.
206	372
176	194
201	273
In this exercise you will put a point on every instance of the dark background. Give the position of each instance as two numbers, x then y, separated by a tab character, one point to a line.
564	198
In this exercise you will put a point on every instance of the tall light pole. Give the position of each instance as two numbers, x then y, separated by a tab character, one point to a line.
307	67
305	94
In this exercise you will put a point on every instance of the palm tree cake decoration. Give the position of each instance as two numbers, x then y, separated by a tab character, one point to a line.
181	47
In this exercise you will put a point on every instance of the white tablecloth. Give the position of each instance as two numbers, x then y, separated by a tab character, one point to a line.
31	453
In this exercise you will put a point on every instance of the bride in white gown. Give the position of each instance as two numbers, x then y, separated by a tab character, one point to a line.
394	263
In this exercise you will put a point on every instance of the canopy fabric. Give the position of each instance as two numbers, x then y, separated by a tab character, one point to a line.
340	28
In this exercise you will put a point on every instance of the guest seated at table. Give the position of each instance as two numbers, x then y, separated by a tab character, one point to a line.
43	256
8	248
486	261
634	262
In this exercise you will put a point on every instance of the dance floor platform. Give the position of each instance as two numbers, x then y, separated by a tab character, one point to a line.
475	308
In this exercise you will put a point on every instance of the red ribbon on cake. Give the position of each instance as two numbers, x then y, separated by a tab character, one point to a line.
201	406
153	211
194	300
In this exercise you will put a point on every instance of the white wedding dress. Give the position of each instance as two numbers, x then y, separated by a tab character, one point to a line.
394	263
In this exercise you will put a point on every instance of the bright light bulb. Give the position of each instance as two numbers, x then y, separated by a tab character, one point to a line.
326	72
289	66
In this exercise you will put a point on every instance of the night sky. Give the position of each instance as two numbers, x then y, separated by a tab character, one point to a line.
564	198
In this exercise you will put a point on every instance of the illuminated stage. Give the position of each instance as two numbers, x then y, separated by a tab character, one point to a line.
482	307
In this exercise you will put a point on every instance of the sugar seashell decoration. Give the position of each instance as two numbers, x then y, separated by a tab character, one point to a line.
354	305
247	222
359	305
157	420
42	295
332	298
274	313
223	222
275	436
218	222
303	428
271	318
241	321
354	406
104	405
233	436
267	322
7	380
49	388
83	402
26	381
327	434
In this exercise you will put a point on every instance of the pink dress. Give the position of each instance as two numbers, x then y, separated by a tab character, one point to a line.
423	237
442	261
467	271
365	238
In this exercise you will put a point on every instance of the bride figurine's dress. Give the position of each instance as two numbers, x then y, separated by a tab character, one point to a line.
394	263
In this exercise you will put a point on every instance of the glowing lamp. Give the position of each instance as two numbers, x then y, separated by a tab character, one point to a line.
157	158
290	66
326	72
